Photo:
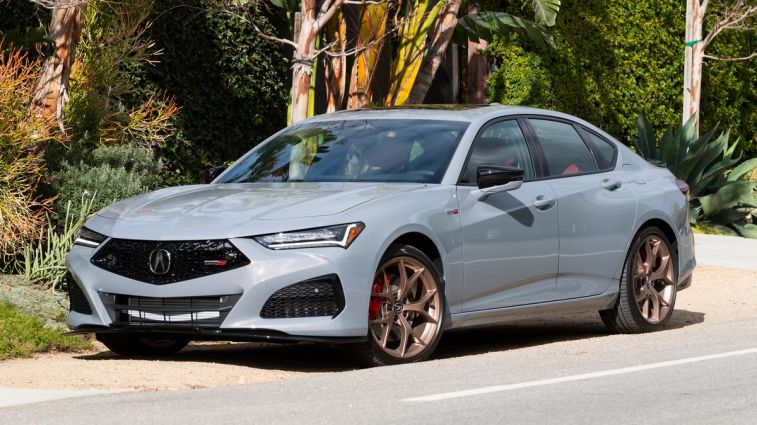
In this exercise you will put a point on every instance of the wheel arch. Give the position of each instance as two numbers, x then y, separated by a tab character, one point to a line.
424	243
659	222
664	226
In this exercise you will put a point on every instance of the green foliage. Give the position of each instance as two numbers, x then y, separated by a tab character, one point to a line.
114	172
29	38
729	89
545	11
22	335
487	25
526	78
231	84
45	262
614	58
719	194
20	26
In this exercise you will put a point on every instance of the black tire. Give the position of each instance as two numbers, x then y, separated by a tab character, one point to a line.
626	316
136	345
370	353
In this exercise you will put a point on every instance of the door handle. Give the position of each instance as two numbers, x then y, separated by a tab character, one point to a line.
543	203
611	184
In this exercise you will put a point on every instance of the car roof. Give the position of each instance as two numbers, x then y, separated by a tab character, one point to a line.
469	113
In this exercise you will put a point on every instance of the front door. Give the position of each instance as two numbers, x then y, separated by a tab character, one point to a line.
510	239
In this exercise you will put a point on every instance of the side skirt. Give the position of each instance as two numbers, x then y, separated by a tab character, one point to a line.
517	313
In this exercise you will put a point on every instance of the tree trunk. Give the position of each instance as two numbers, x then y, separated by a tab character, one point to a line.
440	37
693	59
478	68
51	94
302	68
335	69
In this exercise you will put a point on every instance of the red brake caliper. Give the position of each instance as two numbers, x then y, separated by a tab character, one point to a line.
374	308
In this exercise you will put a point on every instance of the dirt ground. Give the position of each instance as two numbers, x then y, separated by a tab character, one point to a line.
717	295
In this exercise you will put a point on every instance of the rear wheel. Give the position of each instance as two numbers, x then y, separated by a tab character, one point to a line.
647	286
135	345
406	310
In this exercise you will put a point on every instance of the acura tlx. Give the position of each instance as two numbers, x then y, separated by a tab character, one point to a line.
381	228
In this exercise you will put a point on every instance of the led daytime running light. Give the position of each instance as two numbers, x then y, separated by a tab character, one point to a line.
339	236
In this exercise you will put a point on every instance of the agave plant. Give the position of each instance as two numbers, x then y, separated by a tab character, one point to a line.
720	196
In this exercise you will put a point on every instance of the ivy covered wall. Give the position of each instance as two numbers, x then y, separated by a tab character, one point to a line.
616	57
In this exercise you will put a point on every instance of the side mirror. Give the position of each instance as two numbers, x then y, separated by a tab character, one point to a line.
494	179
210	174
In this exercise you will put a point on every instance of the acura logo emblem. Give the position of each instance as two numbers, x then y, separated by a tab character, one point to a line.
160	261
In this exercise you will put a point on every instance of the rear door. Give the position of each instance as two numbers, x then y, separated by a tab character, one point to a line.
596	209
509	238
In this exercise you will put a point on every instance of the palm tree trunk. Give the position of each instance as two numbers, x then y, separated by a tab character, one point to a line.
440	37
51	94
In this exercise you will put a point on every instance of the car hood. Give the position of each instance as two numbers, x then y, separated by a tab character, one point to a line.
227	210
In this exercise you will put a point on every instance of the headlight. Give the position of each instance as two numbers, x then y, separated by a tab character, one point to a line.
89	238
342	235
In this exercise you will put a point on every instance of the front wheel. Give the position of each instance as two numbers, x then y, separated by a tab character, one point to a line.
135	345
406	311
647	286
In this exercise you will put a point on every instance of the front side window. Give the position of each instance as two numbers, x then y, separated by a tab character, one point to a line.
378	150
502	144
563	148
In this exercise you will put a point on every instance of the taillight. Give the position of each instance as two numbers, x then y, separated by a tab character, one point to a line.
684	188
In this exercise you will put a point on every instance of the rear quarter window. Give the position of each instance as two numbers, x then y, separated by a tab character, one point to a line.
604	151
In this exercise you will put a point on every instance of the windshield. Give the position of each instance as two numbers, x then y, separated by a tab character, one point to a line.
379	150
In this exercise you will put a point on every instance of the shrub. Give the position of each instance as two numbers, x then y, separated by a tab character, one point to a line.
113	172
45	263
22	335
21	168
721	197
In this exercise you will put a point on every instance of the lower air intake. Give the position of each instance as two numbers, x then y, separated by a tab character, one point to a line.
321	296
128	310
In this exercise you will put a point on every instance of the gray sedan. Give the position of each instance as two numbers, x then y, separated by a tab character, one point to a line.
381	228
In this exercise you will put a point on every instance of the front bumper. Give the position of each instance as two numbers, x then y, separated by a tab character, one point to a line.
268	272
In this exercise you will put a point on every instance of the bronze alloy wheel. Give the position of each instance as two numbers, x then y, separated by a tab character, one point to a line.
406	307
654	279
647	292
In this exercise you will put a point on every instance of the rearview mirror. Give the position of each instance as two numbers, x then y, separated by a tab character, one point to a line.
210	174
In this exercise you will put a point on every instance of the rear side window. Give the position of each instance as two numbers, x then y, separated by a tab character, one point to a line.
604	151
563	148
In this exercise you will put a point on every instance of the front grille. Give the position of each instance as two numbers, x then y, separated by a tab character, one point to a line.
128	310
187	259
321	296
76	298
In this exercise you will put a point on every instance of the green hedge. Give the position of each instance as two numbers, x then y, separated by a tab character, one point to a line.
614	58
231	84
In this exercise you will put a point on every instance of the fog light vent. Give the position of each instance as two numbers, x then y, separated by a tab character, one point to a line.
321	296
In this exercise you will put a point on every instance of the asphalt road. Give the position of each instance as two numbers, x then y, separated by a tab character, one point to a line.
564	370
